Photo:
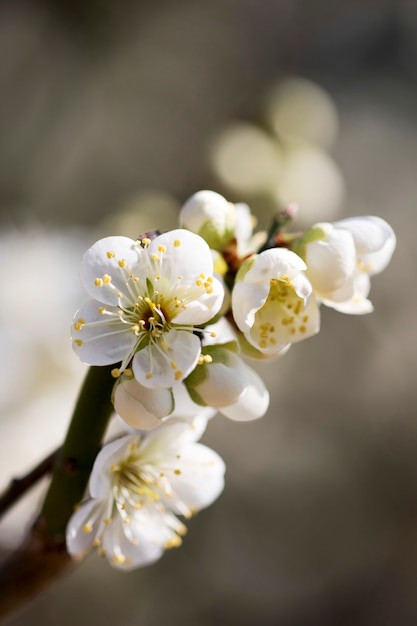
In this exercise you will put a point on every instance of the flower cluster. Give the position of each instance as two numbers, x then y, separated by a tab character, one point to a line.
178	314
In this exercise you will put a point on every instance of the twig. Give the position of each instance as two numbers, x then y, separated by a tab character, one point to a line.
19	486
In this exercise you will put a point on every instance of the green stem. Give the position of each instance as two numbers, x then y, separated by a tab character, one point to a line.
76	457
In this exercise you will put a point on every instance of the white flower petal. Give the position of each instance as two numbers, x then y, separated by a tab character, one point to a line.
204	308
330	261
101	338
186	255
102	259
163	363
197	477
100	478
186	408
252	404
142	407
124	554
247	299
83	526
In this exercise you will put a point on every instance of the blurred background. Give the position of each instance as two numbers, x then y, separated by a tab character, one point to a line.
111	116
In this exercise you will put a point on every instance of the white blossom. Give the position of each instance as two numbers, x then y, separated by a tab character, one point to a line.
144	408
224	381
220	222
272	301
139	485
148	299
341	257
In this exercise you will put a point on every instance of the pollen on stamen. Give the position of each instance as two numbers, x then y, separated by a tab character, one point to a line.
162	249
177	472
178	375
107	279
98	282
174	365
110	254
119	558
180	277
78	342
177	243
149	376
116	373
107	521
87	528
135	328
102	310
213	334
174	542
122	263
146	241
79	323
155	257
96	542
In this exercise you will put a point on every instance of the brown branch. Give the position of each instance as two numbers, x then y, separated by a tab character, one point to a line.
30	570
18	486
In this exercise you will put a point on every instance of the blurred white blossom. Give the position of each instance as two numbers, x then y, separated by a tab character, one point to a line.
138	486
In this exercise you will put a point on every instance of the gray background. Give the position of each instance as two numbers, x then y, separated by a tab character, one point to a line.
101	100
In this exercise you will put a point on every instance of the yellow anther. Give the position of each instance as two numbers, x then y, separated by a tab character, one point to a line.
180	277
98	282
119	558
116	373
208	358
302	329
119	294
146	241
202	275
78	342
213	334
79	323
102	310
177	472
101	551
96	542
157	277
127	519
110	254
174	365
148	376
155	257
87	528
128	371
107	279
199	283
107	521
297	307
174	542
304	319
263	343
162	249
178	374
122	263
142	323
135	328
177	243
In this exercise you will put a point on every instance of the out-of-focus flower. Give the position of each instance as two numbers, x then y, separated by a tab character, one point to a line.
149	298
342	256
272	303
138	486
301	110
